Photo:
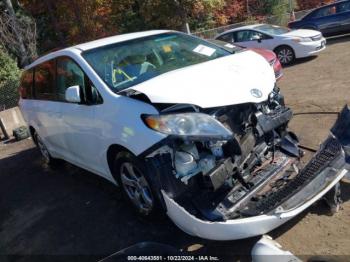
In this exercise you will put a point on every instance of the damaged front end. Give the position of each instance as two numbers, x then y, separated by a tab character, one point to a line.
245	182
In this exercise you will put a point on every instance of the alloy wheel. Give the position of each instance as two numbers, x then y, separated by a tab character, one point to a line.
43	150
285	55
136	187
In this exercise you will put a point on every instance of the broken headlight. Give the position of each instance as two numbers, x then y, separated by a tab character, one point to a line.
190	126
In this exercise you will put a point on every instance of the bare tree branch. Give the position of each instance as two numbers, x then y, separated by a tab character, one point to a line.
18	35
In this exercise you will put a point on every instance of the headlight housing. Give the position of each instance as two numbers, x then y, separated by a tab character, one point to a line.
189	126
302	39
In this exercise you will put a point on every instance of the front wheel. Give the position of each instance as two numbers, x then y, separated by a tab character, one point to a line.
132	176
285	54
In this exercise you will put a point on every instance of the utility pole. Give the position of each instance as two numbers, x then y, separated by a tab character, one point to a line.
188	31
248	11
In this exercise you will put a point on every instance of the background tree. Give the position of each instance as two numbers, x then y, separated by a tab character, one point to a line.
233	11
308	4
66	22
136	15
270	7
17	33
9	80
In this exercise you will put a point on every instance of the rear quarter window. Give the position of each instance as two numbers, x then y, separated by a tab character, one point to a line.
26	86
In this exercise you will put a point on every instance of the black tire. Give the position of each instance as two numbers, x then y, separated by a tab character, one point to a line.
133	178
46	156
285	54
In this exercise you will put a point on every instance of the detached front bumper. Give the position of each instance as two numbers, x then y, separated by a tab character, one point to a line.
239	228
329	165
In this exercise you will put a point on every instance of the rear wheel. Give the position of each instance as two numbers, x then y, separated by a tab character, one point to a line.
137	188
47	158
285	54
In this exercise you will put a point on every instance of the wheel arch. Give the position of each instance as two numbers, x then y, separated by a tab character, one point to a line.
284	45
32	132
112	151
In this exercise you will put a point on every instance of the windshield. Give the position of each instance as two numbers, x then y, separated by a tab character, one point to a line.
273	29
126	64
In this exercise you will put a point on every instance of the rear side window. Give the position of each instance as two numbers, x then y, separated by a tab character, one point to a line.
26	87
326	11
227	38
248	35
343	7
44	81
52	78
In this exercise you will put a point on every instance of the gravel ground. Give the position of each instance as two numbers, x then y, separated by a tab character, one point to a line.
68	211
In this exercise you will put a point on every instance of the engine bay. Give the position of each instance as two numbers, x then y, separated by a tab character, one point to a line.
217	180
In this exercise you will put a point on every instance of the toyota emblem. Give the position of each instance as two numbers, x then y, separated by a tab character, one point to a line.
256	93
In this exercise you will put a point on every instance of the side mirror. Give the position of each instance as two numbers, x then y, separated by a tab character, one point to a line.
256	38
72	94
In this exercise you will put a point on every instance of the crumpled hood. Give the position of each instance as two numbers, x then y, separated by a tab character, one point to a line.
224	81
302	33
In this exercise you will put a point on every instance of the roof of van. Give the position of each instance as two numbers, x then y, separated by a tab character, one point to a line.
98	43
117	39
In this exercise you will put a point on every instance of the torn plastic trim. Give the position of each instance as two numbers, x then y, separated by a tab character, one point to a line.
268	250
341	130
324	178
131	93
267	123
162	108
329	155
237	228
168	140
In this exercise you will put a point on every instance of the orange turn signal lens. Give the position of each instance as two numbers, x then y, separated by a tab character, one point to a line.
152	122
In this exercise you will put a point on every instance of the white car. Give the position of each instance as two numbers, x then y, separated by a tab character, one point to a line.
182	126
286	43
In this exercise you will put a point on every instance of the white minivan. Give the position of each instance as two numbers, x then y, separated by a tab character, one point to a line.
183	126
